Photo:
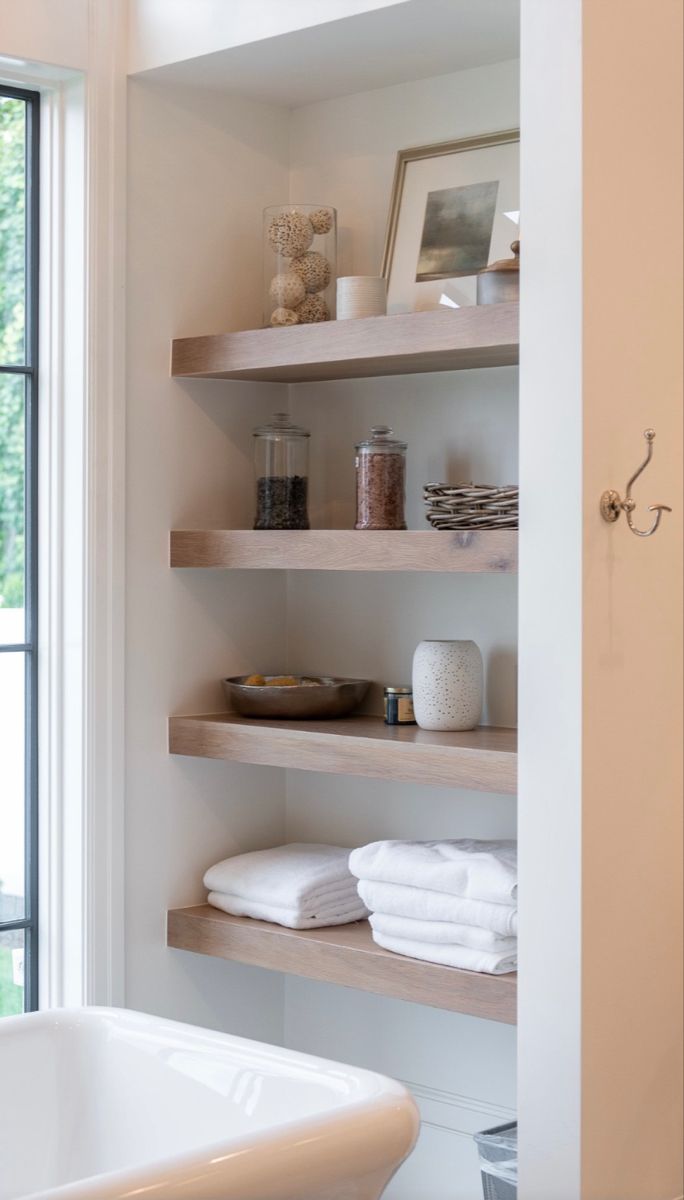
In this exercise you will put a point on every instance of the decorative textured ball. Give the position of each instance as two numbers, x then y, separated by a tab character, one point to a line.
312	310
313	269
290	233
322	220
287	289
284	316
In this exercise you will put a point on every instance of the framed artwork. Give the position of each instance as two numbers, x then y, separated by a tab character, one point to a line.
454	209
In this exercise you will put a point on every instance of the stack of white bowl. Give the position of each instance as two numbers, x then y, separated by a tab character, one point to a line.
361	296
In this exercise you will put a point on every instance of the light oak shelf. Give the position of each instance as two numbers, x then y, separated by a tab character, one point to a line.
345	955
483	759
487	551
442	340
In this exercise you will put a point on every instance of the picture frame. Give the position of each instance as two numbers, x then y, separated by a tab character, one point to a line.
454	208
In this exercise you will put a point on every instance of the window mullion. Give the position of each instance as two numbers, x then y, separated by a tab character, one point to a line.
31	560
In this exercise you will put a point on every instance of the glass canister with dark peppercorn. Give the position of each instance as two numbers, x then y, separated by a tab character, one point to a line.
380	481
281	458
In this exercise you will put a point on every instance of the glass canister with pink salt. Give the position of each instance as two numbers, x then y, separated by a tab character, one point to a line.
380	481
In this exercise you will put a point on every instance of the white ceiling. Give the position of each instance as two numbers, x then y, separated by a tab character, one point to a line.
410	40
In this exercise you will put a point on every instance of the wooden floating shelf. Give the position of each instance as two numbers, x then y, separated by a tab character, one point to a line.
494	551
483	759
345	955
439	340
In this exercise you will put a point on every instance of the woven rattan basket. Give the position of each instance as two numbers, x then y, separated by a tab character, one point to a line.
471	506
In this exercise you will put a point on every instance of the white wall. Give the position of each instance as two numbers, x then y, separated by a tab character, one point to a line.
46	31
549	765
199	173
343	151
168	31
457	425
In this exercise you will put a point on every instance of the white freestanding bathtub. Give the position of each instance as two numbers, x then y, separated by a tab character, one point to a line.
103	1104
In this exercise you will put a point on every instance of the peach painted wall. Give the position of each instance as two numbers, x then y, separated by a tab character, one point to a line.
600	663
632	604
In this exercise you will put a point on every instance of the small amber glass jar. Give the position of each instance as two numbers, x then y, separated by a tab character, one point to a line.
399	706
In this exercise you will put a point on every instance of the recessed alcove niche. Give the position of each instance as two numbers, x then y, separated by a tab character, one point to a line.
315	113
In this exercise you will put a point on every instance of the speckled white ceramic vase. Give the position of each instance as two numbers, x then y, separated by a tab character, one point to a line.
447	685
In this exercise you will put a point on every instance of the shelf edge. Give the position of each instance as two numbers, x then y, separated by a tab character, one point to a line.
290	745
325	955
472	337
492	552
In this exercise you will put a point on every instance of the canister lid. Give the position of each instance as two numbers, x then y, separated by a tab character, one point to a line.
381	440
400	691
280	427
505	264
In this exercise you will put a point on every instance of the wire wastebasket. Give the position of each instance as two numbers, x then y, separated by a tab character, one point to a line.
499	1161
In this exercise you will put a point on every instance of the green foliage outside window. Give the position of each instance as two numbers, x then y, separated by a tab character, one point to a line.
11	996
12	351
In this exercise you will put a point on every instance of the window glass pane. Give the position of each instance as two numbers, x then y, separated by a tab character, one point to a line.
12	667
12	230
19	133
12	507
11	972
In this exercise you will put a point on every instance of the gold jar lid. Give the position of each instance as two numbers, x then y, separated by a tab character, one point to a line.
505	264
398	691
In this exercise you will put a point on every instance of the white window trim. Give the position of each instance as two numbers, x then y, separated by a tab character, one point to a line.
81	519
105	505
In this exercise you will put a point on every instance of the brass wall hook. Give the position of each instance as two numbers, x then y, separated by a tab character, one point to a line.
612	505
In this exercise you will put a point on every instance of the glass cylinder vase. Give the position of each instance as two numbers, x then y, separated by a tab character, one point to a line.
300	264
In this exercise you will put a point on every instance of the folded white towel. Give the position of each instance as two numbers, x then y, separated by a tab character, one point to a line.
478	870
293	876
442	932
424	905
463	957
292	918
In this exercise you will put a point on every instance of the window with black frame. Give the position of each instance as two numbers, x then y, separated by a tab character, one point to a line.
19	133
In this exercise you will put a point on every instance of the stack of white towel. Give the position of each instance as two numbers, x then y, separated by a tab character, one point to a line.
449	902
301	885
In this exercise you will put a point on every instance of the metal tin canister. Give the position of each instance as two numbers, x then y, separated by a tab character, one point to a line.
399	706
499	283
